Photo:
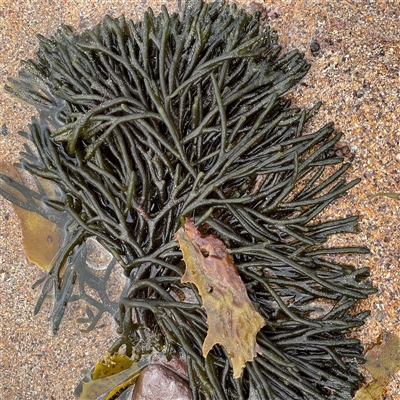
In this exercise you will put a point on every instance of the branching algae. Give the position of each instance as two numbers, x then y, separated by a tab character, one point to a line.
183	116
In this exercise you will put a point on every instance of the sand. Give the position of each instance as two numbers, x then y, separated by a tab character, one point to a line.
356	75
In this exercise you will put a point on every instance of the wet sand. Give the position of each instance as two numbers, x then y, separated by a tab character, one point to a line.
355	73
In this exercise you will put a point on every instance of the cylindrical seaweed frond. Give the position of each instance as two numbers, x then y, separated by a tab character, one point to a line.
145	123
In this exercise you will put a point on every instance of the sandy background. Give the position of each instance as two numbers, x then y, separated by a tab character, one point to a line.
355	73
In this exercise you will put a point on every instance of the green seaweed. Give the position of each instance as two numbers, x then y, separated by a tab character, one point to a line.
382	362
142	124
387	194
109	377
41	229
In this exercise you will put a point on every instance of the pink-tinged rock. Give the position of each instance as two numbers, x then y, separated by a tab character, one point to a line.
157	382
175	365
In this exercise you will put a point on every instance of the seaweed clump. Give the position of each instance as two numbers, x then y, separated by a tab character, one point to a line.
143	124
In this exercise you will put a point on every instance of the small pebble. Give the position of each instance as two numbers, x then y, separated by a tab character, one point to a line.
314	47
4	130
